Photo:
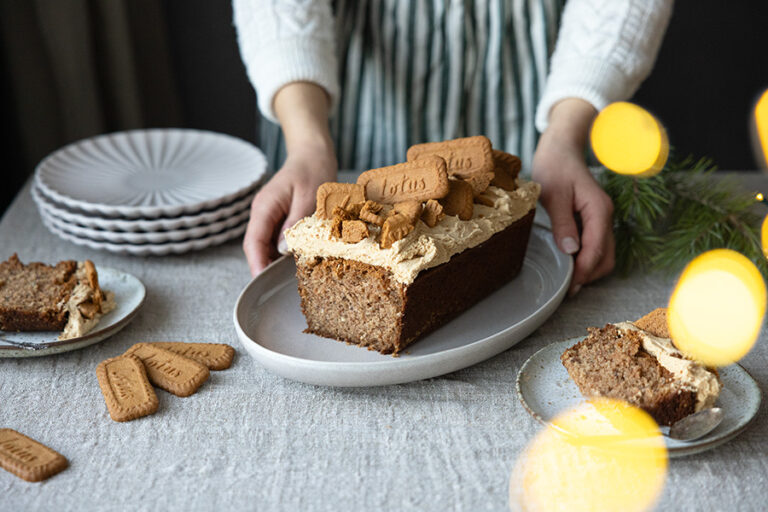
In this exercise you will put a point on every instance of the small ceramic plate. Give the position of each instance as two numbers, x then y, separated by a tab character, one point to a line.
545	389
48	206
152	249
151	173
129	296
270	325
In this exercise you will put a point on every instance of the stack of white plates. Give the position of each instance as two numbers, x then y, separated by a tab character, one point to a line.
149	192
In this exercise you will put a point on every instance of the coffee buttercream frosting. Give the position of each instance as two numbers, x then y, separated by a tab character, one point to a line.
424	247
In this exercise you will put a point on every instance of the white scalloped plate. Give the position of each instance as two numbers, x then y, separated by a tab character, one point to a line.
129	297
151	173
156	237
47	205
545	390
270	325
152	249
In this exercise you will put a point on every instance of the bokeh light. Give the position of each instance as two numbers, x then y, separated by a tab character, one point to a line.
628	140
764	236
601	455
717	308
761	123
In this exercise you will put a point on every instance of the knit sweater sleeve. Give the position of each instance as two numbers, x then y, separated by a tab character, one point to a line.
605	49
284	41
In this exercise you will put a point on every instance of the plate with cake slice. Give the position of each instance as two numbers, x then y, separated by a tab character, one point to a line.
48	309
637	362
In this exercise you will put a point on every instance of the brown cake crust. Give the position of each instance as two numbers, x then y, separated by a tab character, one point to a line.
612	363
362	304
32	296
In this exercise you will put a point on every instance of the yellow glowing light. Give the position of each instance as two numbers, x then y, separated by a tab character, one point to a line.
759	196
716	311
602	455
627	139
761	122
764	236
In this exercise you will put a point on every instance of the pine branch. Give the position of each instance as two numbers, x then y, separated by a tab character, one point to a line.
665	221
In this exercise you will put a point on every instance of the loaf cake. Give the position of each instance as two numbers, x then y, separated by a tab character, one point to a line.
408	247
64	297
637	362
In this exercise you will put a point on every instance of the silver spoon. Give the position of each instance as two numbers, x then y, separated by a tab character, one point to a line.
696	425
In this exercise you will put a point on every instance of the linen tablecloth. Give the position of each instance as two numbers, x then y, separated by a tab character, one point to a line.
250	440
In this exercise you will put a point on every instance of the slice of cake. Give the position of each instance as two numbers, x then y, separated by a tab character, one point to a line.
638	363
64	297
406	249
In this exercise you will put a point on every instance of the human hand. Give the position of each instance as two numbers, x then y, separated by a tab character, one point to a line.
286	198
567	189
302	109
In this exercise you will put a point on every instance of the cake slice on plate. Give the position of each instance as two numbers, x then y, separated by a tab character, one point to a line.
64	297
637	362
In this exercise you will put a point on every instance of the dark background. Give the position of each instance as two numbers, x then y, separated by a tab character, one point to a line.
712	67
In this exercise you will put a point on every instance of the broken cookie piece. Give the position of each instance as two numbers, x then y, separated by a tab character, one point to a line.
353	231
396	227
432	213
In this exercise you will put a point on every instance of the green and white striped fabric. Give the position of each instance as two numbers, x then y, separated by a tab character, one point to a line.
430	70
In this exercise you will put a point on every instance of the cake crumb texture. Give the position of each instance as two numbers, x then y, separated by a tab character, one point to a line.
32	296
612	363
353	302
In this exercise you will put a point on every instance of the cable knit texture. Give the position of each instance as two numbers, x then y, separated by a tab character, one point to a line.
605	49
284	41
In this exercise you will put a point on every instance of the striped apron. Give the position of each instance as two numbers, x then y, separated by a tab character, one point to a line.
430	70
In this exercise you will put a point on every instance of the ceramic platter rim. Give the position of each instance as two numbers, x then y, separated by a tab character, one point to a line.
60	162
102	332
405	368
675	448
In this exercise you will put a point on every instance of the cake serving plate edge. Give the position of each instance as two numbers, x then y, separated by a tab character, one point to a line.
270	325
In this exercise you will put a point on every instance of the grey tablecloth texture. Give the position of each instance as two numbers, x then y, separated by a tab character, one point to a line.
250	440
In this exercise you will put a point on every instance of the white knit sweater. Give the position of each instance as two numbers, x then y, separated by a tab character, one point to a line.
605	49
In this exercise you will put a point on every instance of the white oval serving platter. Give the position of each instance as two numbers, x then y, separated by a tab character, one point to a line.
270	325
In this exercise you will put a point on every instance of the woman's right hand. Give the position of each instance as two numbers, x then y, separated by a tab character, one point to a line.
302	109
286	198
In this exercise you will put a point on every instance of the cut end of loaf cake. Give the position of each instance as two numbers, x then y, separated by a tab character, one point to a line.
352	302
